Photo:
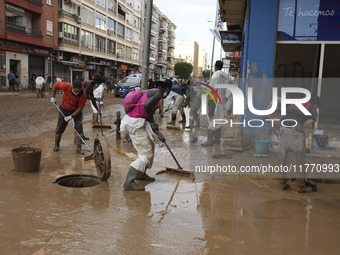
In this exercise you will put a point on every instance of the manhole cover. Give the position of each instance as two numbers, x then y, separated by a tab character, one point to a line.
78	181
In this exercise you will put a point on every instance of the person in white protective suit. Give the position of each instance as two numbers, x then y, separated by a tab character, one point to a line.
97	93
140	124
217	111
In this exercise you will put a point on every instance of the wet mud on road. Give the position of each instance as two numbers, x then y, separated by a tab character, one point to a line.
174	215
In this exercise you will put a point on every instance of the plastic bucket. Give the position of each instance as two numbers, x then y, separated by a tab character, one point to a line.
26	159
262	146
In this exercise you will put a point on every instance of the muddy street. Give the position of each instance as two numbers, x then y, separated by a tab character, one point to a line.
212	215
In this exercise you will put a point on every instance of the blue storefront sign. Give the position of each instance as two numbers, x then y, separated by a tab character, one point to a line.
313	20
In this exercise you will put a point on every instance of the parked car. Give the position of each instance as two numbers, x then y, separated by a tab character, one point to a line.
128	84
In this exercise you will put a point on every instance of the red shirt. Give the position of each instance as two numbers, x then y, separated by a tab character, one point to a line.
71	102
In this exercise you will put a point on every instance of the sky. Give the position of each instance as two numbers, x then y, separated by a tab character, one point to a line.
191	18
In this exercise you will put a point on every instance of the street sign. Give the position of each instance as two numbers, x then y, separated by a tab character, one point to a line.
237	54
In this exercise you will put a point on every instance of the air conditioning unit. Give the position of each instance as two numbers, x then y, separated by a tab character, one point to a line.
60	34
118	55
79	19
110	31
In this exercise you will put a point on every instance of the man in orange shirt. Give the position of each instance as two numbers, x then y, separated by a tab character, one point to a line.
72	104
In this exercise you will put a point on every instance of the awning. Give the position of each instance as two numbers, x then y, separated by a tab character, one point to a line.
69	63
232	12
122	8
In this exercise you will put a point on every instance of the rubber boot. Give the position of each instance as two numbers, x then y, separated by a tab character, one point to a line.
210	138
301	186
57	143
217	136
84	137
173	119
79	150
129	183
283	184
183	120
145	177
94	118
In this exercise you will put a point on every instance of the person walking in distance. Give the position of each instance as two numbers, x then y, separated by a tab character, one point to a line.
140	124
11	80
72	104
40	86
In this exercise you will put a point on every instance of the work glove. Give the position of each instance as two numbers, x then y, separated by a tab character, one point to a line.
68	118
53	100
161	137
98	99
99	113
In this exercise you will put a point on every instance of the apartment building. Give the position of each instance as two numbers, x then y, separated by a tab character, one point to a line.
161	59
27	38
99	36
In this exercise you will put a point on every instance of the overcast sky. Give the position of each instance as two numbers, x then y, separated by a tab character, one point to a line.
191	18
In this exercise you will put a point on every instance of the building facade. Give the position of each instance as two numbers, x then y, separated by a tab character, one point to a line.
189	51
99	36
297	42
27	38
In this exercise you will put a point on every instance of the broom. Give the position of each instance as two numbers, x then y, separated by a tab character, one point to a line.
90	157
179	170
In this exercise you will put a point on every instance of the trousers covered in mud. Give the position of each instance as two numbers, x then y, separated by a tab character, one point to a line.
142	139
291	139
62	124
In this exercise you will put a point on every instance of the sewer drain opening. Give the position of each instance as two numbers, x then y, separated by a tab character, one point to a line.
78	181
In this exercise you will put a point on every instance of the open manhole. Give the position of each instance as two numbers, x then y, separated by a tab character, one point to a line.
78	181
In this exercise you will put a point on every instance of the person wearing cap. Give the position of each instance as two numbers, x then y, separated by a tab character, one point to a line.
216	111
140	124
72	104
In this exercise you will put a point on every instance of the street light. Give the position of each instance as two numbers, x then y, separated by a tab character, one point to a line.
213	49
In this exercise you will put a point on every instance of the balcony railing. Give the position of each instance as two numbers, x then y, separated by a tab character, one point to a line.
23	30
37	2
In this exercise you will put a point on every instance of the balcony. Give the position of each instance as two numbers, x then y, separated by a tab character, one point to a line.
171	44
162	28
23	30
162	38
32	5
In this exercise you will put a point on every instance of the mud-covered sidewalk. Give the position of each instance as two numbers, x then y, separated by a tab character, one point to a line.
213	215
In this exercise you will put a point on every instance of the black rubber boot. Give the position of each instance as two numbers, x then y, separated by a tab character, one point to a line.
130	184
79	150
173	119
210	138
183	120
217	136
94	118
145	177
57	143
84	137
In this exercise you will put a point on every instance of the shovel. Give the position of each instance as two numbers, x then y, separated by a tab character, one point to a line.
87	157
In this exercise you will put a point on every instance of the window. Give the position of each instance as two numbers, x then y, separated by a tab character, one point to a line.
128	34
121	30
49	2
111	4
86	39
87	16
111	25
100	44
49	27
111	47
100	23
70	32
102	3
71	8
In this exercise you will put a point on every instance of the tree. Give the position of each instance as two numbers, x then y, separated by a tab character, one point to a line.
206	73
183	70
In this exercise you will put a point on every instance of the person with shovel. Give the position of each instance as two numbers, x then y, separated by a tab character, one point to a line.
71	107
140	124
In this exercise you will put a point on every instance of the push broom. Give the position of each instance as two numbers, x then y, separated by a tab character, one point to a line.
179	171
